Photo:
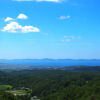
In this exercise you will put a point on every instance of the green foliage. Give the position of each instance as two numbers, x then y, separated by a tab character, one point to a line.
54	84
5	87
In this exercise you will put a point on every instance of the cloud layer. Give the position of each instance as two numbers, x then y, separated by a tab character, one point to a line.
49	1
8	19
14	27
57	1
64	17
22	16
22	0
70	38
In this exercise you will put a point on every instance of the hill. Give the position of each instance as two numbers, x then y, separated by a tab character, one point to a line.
53	62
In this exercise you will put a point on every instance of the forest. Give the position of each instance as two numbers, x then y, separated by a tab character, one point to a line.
51	84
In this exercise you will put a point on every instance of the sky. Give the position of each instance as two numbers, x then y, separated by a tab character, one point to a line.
58	29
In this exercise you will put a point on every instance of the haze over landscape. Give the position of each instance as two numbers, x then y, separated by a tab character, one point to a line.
49	49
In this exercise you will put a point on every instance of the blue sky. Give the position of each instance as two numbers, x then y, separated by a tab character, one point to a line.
50	29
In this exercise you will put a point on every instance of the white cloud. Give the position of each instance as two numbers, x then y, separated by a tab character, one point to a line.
14	27
57	1
8	19
22	0
49	1
64	17
22	16
70	38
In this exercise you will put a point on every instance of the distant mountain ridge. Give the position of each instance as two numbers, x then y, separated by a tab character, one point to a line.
52	62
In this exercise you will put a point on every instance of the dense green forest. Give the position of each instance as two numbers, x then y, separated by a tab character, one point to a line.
52	84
